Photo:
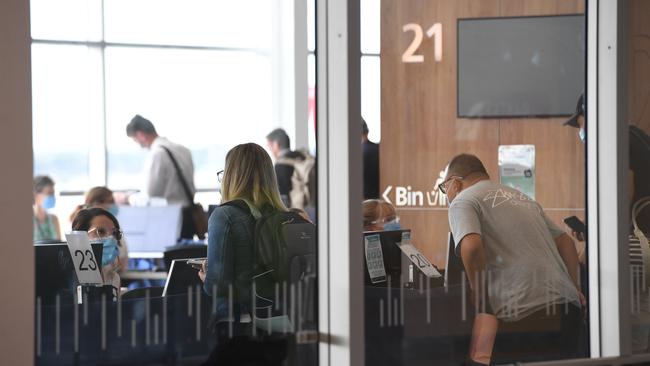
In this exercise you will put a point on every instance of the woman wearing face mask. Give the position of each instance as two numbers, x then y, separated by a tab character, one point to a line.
103	227
103	197
379	215
46	226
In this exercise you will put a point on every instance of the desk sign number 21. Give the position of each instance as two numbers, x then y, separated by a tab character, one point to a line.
435	31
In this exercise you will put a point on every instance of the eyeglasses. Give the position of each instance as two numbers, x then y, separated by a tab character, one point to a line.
220	176
443	186
103	232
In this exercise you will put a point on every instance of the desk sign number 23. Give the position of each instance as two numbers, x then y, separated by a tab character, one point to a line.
434	32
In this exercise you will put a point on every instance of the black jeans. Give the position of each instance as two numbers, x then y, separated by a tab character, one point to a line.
561	334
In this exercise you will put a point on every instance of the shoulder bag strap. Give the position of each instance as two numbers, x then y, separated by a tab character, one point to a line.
186	186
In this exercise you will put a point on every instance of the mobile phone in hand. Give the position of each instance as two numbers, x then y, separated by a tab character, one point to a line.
576	225
196	263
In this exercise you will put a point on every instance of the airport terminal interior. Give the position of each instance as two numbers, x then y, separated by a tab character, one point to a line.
335	182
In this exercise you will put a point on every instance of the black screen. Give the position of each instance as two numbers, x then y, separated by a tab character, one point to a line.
520	67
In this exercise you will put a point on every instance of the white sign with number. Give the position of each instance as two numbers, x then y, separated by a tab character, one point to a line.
85	263
418	259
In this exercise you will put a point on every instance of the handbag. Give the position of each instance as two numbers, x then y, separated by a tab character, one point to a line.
197	213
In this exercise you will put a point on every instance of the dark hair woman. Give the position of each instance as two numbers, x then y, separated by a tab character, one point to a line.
103	227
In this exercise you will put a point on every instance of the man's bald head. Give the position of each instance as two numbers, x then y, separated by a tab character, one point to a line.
465	164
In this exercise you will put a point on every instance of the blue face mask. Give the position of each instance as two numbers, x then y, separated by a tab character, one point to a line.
49	202
392	226
582	135
114	210
109	251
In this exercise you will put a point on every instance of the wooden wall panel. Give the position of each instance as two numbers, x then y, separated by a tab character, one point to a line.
420	130
639	64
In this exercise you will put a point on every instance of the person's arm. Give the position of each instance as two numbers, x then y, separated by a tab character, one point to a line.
485	325
567	250
472	253
219	268
569	255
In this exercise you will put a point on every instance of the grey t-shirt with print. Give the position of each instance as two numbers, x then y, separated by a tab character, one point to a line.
525	272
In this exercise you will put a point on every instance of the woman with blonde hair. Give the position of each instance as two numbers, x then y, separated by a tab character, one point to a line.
248	180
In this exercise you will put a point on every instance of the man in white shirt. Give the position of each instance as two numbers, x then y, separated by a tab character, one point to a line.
522	268
161	178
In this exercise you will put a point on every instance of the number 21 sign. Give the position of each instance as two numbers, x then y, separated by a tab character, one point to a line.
435	32
85	263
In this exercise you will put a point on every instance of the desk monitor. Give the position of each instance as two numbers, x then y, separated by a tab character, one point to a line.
54	270
392	257
181	276
454	269
149	230
184	251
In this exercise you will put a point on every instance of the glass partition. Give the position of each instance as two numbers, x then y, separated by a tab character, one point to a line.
209	76
484	258
638	14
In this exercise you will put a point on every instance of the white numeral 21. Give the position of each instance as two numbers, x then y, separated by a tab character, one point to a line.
435	31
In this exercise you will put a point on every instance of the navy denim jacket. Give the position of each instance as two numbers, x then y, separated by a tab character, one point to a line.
230	260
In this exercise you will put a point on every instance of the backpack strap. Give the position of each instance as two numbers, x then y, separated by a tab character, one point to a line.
246	206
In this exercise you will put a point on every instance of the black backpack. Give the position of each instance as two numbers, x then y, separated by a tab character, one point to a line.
284	280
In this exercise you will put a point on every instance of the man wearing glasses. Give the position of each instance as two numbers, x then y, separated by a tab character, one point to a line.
521	267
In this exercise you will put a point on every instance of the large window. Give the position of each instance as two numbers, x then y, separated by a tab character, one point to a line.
202	71
191	67
370	67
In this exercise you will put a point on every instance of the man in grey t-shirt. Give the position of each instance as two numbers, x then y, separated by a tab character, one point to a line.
521	267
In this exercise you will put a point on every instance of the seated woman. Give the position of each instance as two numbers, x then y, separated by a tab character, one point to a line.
248	176
103	227
103	197
379	215
46	225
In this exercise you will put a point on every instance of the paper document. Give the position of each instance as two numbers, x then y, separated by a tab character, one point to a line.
375	259
517	168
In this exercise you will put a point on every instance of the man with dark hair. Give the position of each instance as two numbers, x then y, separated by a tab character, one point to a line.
370	164
140	127
522	268
161	176
294	170
279	142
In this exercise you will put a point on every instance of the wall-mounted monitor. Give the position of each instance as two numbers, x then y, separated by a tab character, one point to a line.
520	67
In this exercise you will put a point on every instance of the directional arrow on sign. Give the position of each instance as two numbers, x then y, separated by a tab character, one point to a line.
385	195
